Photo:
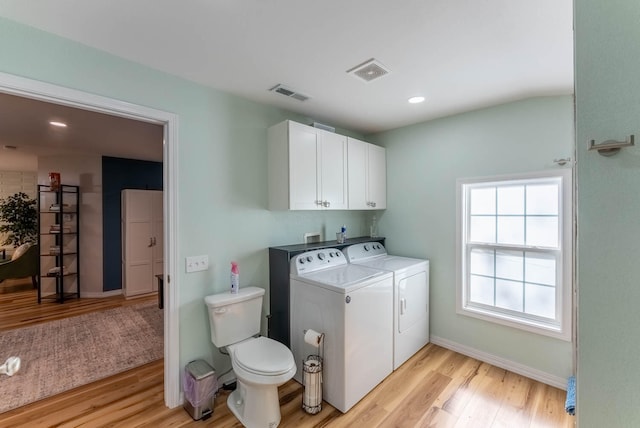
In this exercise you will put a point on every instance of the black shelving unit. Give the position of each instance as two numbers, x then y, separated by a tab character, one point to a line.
58	243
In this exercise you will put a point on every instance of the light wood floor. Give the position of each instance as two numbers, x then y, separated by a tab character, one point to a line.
19	305
435	388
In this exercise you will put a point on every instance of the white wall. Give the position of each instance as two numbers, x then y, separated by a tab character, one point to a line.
15	160
221	169
423	163
84	171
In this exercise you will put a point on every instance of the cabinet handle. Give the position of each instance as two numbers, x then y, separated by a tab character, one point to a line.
150	242
373	204
326	204
403	306
319	202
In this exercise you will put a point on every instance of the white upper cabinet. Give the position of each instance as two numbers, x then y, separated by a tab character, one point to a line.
367	164
307	168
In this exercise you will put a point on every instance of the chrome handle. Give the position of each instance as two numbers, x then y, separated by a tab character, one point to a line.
318	202
403	306
326	204
373	204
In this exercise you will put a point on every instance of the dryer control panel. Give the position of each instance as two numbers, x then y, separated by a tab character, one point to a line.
315	260
364	250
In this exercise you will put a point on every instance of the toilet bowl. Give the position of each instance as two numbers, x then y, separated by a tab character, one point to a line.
259	363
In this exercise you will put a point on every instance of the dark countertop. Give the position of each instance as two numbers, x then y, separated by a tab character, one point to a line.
326	244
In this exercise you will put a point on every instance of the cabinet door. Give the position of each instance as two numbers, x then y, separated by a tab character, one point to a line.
142	239
158	234
137	254
333	167
377	177
303	167
357	166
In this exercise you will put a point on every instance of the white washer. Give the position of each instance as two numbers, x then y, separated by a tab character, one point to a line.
410	296
352	306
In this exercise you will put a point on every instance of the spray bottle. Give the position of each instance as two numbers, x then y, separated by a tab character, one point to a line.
235	278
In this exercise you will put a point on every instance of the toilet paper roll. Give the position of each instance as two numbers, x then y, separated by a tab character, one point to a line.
312	380
312	337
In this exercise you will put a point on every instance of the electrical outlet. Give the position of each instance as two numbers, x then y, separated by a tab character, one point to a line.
197	263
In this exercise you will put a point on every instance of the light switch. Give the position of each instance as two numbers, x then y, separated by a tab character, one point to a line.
197	263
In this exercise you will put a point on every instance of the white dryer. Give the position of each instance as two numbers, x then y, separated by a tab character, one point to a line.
352	306
410	296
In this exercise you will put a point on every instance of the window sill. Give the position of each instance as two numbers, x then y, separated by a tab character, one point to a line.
530	326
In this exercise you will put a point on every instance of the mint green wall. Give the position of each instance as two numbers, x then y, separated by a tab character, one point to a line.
423	163
222	168
608	107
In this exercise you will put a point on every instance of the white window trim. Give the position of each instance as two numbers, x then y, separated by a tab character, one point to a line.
561	330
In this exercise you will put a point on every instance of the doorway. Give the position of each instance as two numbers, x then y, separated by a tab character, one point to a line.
23	87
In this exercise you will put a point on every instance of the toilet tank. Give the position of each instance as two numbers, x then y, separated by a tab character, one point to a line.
234	317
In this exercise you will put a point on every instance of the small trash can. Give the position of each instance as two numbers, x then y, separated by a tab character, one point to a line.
200	387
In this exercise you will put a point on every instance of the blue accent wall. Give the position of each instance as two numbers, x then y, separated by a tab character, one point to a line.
119	174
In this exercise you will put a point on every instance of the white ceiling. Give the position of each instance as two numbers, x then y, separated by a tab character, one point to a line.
460	54
25	125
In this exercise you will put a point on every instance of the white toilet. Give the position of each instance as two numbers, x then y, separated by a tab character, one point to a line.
260	364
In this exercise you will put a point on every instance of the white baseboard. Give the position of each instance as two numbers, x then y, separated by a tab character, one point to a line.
503	363
100	294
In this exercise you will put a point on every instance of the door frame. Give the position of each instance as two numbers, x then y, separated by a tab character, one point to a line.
29	88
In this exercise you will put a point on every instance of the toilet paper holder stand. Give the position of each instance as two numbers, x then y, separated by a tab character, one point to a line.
312	374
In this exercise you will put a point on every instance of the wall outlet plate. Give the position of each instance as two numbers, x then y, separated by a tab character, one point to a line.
311	237
197	263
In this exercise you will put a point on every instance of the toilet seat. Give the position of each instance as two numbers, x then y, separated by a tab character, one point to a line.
263	356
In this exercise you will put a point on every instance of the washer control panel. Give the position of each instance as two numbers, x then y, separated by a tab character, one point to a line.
314	260
364	250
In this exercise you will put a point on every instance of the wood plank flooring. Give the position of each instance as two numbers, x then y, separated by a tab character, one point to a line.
435	388
20	308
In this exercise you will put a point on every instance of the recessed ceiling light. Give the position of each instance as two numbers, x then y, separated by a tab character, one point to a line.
416	100
59	124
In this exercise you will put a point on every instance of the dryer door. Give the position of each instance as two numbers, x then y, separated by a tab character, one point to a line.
413	300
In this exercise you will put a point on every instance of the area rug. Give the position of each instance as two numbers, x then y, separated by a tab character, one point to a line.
61	355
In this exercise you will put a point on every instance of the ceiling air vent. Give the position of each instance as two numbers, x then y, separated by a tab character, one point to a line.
369	70
281	89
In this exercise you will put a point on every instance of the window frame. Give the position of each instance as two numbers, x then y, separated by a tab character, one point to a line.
561	327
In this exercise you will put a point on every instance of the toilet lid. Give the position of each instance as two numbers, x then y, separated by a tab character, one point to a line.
264	356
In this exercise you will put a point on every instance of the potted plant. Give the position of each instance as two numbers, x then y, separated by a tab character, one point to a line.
19	219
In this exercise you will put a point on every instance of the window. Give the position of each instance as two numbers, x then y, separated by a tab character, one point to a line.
515	251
